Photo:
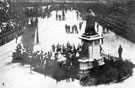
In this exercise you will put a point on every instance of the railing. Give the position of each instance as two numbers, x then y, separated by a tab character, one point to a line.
62	1
9	36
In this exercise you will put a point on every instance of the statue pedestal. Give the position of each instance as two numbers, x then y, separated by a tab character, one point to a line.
94	53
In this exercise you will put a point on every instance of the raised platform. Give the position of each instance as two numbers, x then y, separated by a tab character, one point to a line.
87	63
91	38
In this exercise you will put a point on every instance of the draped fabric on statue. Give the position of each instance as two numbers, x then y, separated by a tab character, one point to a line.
90	22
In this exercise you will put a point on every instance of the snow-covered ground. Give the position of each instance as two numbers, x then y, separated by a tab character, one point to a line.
52	31
111	45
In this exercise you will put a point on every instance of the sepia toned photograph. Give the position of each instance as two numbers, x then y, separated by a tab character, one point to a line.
67	43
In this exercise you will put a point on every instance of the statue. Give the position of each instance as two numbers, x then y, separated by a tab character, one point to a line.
90	22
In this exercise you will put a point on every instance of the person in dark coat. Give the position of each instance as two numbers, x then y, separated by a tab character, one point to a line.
53	48
66	28
63	15
120	51
73	27
56	15
76	29
80	25
59	17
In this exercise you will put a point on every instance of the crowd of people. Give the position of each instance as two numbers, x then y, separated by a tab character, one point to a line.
11	30
62	57
60	16
73	29
69	51
35	11
67	55
10	27
3	17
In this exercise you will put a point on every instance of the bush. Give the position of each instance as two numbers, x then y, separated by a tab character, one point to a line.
87	81
125	68
114	72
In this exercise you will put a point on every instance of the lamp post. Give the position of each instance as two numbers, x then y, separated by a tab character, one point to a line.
37	38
